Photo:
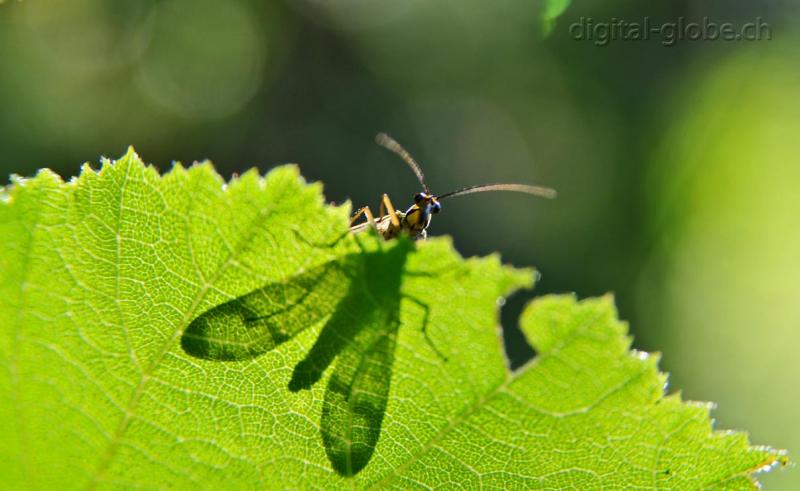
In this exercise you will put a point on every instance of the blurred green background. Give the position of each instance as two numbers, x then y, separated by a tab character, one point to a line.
677	167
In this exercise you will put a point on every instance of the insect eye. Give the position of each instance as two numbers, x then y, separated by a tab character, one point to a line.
436	207
418	197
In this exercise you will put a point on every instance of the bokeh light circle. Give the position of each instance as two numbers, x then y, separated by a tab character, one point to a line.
84	37
204	59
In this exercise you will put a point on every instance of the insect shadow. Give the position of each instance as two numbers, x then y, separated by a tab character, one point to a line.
358	297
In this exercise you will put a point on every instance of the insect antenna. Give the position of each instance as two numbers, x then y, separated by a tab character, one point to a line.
389	143
520	188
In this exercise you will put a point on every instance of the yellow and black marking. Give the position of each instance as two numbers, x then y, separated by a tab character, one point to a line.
416	219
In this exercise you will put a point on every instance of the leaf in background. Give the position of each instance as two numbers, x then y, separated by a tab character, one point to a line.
552	10
102	276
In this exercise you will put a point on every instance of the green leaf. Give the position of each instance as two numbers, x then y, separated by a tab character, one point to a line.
179	331
551	11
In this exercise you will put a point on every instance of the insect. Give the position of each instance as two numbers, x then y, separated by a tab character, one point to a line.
416	219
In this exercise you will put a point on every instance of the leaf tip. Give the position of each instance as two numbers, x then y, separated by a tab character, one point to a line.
177	168
130	153
773	459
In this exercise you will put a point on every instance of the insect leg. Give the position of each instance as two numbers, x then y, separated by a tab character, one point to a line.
366	212
386	206
325	245
425	316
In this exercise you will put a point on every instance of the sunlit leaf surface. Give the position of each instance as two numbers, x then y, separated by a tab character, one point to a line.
177	332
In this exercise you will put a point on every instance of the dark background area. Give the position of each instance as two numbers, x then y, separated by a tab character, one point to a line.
677	166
